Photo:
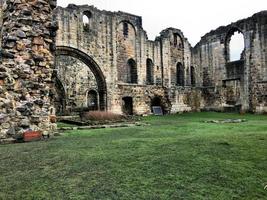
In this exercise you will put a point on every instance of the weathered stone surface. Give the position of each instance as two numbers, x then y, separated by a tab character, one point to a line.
24	36
240	84
182	77
107	62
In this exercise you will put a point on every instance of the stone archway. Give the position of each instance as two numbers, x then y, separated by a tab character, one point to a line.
93	66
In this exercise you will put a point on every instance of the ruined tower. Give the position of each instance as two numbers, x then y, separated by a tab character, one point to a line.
27	62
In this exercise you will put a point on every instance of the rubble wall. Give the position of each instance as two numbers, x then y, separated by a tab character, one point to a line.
27	65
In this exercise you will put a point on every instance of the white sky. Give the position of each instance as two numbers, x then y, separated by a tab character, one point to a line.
194	17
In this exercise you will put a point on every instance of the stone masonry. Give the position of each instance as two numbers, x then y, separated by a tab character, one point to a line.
104	61
242	83
122	54
27	64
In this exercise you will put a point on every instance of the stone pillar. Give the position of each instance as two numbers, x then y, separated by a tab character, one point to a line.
28	46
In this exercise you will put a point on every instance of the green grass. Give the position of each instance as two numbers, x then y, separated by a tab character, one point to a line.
177	157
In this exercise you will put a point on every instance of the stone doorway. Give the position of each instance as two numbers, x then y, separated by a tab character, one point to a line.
127	105
92	100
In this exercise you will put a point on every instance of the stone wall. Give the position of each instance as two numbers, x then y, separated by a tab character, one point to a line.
105	61
118	45
26	68
242	81
1	21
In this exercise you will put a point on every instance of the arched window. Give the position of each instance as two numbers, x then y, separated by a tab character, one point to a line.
132	71
179	74
149	72
177	41
87	15
193	76
235	46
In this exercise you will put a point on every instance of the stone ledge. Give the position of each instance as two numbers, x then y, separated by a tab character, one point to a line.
102	126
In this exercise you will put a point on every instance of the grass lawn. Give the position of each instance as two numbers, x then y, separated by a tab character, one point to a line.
177	157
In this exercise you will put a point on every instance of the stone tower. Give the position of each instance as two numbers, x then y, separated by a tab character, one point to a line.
27	62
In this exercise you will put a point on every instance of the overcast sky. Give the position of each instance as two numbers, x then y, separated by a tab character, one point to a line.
194	17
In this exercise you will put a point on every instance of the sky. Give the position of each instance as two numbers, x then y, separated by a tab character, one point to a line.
194	18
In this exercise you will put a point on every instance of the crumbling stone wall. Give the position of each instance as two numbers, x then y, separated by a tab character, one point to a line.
243	80
110	55
26	68
112	39
1	21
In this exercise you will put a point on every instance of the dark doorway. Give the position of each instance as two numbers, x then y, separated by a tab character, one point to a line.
156	102
127	105
92	100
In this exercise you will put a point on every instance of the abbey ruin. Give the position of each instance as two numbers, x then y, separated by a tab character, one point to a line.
62	60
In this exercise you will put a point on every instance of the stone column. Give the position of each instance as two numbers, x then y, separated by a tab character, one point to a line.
28	46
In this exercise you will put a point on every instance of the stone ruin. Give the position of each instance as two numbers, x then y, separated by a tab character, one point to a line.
64	60
28	33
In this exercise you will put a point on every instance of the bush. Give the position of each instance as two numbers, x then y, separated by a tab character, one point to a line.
100	116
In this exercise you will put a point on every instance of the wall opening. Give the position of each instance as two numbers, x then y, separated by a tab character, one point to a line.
180	74
132	71
127	105
149	72
193	76
98	81
87	15
125	29
235	46
177	41
157	102
92	100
